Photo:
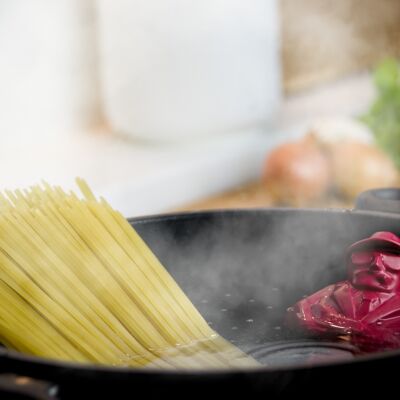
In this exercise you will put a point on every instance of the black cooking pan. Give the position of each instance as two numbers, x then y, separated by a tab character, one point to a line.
242	269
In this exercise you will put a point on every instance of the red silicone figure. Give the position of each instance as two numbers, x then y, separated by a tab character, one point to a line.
364	309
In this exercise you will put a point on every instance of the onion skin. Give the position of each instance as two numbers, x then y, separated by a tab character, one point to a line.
297	173
357	167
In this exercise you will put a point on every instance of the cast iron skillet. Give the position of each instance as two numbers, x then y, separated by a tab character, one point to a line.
242	269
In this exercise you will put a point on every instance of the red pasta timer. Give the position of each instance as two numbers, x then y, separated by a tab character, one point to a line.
365	308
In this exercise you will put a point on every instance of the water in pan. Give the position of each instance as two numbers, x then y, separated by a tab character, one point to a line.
260	330
290	353
243	270
257	330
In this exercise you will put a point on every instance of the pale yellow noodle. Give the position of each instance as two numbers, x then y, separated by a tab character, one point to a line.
78	283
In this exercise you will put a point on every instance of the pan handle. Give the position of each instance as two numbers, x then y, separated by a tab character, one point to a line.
22	387
16	380
385	200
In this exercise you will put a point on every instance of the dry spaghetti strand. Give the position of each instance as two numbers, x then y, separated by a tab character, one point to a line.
78	283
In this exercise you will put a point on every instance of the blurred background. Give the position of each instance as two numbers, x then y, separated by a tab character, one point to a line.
165	105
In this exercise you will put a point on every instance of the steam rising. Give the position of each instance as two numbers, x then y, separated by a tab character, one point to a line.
243	269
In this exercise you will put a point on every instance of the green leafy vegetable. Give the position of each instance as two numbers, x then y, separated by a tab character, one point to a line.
384	115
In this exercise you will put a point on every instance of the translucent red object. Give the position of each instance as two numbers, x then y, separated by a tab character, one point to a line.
365	308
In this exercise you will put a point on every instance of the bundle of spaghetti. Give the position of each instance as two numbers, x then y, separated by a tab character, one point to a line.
78	283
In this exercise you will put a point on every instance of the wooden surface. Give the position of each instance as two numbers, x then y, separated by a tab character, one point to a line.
323	40
255	195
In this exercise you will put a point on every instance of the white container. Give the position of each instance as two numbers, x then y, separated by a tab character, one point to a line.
48	75
174	70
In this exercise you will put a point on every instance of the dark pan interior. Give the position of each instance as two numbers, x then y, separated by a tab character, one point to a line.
242	269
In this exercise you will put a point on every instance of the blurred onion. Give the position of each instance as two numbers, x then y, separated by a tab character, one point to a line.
359	166
297	173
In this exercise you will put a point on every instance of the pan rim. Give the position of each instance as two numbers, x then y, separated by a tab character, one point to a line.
90	368
237	211
79	368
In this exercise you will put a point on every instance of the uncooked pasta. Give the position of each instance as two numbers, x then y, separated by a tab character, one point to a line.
78	283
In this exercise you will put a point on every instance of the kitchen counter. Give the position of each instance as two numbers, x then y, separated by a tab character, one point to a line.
143	178
255	195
